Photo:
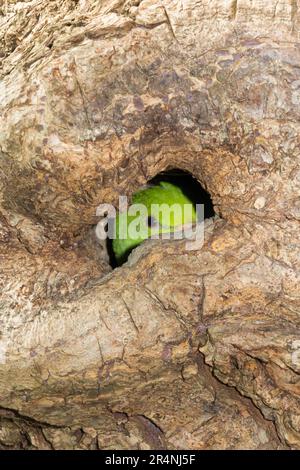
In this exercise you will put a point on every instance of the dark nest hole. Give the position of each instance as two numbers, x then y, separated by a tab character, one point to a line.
189	185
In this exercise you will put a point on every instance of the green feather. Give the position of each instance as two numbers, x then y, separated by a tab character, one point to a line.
165	220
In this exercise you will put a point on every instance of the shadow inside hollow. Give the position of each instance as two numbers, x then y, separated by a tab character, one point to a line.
189	186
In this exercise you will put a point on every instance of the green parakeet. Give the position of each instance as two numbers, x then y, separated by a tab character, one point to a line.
154	221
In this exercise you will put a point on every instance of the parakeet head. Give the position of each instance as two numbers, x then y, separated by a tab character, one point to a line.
155	210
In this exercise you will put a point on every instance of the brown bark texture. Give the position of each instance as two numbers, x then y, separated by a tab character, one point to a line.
176	349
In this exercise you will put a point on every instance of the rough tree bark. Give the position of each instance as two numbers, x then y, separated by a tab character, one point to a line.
175	349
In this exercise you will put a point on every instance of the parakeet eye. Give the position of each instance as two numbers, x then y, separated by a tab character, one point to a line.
152	222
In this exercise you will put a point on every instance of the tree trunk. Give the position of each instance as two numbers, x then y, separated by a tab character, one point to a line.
176	349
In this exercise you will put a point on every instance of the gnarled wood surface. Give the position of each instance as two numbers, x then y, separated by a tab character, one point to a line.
175	349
